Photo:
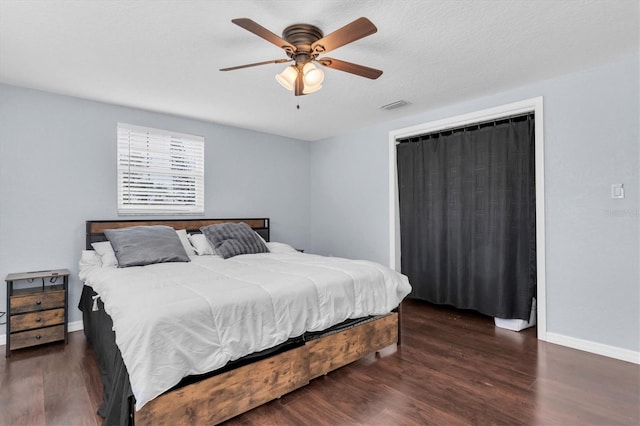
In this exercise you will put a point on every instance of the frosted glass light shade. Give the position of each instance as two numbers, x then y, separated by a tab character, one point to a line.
312	76
311	89
287	78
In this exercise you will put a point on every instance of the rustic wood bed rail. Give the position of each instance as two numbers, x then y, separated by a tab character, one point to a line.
226	395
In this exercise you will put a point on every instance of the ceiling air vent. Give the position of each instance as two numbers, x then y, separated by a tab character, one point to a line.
394	105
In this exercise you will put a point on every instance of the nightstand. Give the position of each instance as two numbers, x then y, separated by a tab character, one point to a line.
37	309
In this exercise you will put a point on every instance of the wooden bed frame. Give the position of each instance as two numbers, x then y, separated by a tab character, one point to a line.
226	395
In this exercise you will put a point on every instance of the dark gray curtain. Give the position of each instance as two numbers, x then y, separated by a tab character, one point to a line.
467	217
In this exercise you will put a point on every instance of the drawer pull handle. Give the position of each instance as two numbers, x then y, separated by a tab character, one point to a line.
38	302
38	319
38	337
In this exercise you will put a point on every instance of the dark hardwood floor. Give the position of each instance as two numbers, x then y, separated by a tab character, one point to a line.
453	367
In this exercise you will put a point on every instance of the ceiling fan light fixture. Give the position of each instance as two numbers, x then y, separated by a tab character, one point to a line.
287	78
312	75
302	44
310	89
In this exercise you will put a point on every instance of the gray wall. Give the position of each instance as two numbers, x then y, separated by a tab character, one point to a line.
591	126
57	170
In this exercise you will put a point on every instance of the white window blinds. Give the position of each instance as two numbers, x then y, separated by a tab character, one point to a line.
159	171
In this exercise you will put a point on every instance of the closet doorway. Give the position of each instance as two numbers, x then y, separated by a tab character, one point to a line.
455	142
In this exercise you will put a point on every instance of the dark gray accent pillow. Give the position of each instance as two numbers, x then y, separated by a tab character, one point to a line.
144	245
232	239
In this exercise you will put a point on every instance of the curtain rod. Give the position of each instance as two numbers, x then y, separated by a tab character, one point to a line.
473	126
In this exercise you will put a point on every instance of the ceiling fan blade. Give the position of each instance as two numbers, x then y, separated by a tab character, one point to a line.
274	61
261	31
349	67
356	30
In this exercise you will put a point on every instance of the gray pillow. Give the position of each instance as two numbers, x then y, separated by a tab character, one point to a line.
144	245
232	239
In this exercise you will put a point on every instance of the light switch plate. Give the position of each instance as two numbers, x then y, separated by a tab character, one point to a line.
617	191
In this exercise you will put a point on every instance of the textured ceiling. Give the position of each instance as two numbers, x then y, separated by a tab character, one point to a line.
164	55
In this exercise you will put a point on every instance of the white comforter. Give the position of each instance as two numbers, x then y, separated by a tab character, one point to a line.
176	319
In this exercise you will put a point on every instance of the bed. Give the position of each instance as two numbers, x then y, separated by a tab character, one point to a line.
244	330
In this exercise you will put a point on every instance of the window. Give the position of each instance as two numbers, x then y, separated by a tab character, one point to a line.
159	171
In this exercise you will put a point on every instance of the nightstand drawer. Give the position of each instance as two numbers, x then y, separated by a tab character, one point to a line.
40	319
37	302
37	337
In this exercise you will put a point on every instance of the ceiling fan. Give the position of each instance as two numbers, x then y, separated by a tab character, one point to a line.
303	43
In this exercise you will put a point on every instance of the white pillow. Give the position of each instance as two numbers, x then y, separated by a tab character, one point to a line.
106	253
260	236
184	239
201	244
280	248
89	258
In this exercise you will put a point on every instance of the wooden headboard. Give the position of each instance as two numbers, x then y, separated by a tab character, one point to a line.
96	228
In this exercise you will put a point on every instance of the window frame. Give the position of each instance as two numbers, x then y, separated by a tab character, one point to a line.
158	171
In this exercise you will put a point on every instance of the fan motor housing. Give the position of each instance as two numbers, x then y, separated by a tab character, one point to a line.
302	36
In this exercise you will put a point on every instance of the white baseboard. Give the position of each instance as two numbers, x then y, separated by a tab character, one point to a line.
593	347
72	326
75	326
